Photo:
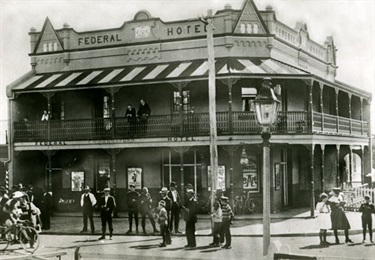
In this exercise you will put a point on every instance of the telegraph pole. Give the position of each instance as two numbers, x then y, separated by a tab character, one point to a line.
212	104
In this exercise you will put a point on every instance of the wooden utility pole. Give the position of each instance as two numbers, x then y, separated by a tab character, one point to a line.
212	104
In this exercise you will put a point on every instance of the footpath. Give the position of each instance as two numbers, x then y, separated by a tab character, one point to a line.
293	222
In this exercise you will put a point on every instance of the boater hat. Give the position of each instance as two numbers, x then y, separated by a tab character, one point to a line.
224	198
106	189
87	188
164	189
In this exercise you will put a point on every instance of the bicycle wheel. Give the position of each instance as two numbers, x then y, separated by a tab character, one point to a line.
252	206
29	239
5	240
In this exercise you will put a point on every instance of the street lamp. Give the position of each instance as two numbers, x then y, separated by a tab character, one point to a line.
266	106
244	158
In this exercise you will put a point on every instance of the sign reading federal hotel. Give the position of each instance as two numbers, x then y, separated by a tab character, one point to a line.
185	30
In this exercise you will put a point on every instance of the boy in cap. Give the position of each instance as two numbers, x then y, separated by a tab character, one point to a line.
132	202
324	218
88	203
162	218
226	220
367	208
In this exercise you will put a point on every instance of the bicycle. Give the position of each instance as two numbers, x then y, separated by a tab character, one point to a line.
25	234
244	204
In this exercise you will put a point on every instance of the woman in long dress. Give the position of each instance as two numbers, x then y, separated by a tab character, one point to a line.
323	216
338	217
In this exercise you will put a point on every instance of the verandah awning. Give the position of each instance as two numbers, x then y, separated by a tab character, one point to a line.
127	75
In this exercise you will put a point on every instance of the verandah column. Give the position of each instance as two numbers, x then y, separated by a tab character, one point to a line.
337	109
350	112
230	82
337	165
321	87
312	207
322	146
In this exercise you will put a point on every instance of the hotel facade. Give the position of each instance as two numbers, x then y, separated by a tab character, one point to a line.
86	80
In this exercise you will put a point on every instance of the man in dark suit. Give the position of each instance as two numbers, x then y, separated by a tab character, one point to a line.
175	208
190	217
168	206
107	205
3	201
144	112
46	209
132	203
131	116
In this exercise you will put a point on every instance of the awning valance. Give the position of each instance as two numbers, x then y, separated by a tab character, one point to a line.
157	73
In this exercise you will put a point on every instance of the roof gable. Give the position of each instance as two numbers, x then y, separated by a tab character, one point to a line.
48	40
250	21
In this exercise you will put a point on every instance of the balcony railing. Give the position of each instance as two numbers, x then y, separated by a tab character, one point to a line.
196	124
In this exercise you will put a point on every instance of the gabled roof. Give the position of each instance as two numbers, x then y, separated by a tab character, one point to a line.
249	17
48	39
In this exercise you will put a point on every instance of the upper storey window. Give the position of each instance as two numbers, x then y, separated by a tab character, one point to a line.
51	46
248	95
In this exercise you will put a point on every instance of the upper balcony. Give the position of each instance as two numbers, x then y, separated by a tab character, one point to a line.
194	124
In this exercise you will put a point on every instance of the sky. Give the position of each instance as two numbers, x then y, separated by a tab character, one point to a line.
350	22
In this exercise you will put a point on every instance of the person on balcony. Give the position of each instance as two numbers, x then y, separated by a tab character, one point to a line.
131	116
144	112
338	217
45	116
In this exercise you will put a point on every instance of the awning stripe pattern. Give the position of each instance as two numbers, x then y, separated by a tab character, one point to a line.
196	69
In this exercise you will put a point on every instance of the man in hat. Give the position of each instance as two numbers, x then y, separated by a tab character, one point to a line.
367	208
132	202
168	204
88	202
175	208
338	217
107	205
191	210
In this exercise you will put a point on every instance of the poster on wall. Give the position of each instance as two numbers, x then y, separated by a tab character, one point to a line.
77	180
135	177
220	184
277	176
250	175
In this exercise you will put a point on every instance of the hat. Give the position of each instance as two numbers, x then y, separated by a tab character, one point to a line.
132	185
367	197
106	189
337	190
162	203
86	188
224	198
323	195
164	189
189	191
18	194
173	184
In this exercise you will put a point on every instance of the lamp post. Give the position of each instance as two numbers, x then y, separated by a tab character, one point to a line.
266	105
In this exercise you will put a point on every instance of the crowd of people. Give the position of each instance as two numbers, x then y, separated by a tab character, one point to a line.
166	215
19	205
331	215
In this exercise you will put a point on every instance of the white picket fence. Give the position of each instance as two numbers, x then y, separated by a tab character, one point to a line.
356	196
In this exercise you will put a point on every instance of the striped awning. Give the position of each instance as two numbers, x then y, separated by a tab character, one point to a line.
154	73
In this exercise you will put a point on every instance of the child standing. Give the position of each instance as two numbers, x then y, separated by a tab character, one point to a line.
367	208
324	218
162	218
226	220
217	216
